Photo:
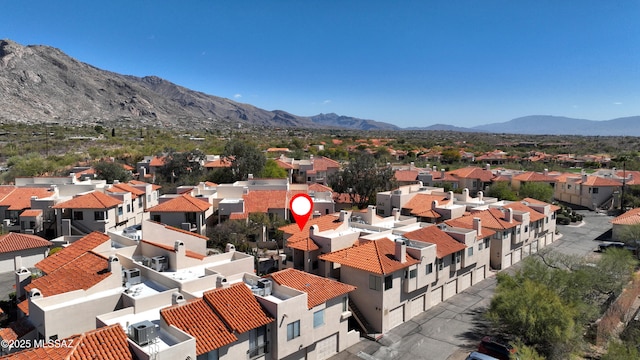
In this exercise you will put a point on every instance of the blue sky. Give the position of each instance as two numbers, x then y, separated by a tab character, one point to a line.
410	63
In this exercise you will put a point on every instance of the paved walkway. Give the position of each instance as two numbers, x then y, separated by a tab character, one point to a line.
453	328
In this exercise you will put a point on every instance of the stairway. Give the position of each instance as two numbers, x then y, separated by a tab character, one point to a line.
366	329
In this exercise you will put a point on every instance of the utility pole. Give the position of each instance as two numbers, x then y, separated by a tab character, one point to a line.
624	180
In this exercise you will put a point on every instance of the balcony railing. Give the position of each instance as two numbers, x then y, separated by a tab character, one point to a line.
259	350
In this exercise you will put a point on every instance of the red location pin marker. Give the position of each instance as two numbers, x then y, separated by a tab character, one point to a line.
301	206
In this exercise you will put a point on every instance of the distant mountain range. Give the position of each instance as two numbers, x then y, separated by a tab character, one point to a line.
43	84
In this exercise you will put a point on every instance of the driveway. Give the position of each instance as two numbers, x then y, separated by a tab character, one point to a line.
453	328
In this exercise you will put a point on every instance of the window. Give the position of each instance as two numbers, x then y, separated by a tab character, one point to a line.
388	282
429	269
318	318
375	283
257	341
526	228
413	273
480	245
440	264
78	215
128	208
595	190
486	243
458	256
155	218
211	355
119	210
140	201
293	330
470	251
99	215
345	304
190	217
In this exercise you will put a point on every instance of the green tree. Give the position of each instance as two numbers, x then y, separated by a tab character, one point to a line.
111	171
534	313
450	156
271	170
537	190
502	190
362	179
620	351
245	159
181	167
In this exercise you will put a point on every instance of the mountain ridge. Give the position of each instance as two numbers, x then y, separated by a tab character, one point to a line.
42	84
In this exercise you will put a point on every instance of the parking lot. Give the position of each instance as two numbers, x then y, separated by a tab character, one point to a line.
453	328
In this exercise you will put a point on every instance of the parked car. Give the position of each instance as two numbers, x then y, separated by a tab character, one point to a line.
479	356
496	348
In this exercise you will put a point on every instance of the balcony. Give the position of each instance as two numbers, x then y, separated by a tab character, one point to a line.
258	350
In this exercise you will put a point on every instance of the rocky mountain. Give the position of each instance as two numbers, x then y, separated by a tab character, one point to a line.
334	120
442	127
42	84
558	125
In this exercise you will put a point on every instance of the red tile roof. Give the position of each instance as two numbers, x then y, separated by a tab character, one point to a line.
421	205
106	343
24	307
76	249
538	202
492	218
445	244
319	188
600	181
171	228
532	176
189	253
533	215
92	200
472	173
319	290
218	163
285	165
321	163
122	187
406	175
199	320
183	203
157	161
630	217
20	198
17	242
31	213
373	256
238	308
154	187
324	222
16	329
82	272
305	244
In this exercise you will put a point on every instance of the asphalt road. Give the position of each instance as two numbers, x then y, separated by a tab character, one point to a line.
453	328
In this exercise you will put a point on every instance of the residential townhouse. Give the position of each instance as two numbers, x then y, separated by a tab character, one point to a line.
519	180
473	178
401	273
316	169
592	192
183	211
14	201
21	250
620	224
115	281
95	211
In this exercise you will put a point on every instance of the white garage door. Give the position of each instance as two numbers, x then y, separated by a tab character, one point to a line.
327	347
506	261
436	296
464	282
526	250
417	306
479	275
449	289
396	316
517	256
534	247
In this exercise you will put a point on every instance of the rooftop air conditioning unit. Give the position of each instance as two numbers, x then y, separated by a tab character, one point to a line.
265	285
143	333
159	263
132	276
